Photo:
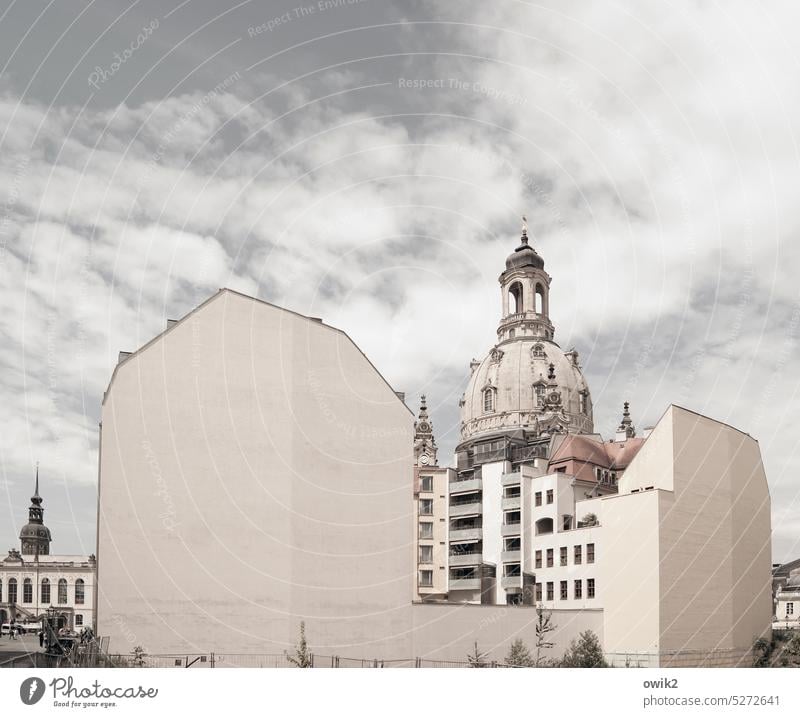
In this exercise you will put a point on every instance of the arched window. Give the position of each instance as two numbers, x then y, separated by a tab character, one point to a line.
488	400
62	592
45	591
79	594
27	591
515	299
541	301
12	590
544	526
584	405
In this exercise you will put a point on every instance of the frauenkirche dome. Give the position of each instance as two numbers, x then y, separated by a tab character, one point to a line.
527	381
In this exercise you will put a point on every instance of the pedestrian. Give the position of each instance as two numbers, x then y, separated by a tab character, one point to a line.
12	631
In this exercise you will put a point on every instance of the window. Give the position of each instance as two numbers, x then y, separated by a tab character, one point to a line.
564	590
79	620
79	592
590	587
512	517
45	591
549	497
1	591
12	590
515	300
538	558
789	608
27	591
578	557
590	553
549	557
583	404
62	592
488	400
512	570
426	484
538	592
549	591
544	526
510	544
563	556
538	499
425	532
426	578
426	506
578	589
425	554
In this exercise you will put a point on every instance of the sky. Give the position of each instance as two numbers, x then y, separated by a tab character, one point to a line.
368	162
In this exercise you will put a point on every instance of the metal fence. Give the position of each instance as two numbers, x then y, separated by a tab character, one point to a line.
215	660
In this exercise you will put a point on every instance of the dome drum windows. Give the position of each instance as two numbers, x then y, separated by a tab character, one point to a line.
489	399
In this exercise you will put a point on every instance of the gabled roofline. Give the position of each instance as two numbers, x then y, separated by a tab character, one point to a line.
214	297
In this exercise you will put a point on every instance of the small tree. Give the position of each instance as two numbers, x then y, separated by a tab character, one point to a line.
588	520
477	658
762	652
544	626
302	655
519	655
585	652
138	655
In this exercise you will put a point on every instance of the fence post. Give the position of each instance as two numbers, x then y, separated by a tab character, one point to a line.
417	662
312	659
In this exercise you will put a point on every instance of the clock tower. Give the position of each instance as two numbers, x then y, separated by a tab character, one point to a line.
424	443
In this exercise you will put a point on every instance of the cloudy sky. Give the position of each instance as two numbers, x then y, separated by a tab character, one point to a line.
368	162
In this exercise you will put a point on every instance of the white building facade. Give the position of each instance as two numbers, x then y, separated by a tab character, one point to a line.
33	582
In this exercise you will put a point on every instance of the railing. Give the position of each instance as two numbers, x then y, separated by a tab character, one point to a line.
510	529
465	583
511	556
461	509
465	534
512	503
465	486
465	558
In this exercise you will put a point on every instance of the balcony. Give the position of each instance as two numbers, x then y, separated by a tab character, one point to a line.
462	509
465	584
462	534
465	486
511	529
512	503
511	556
510	479
466	559
511	581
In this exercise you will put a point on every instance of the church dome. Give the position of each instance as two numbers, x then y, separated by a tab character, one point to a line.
523	256
527	383
794	579
35	531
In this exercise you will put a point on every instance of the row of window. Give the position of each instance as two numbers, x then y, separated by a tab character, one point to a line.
538	497
577	590
44	594
563	557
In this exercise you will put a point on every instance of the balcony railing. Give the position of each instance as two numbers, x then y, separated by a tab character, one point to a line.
459	534
465	583
511	581
465	486
512	503
462	509
511	556
511	478
466	559
511	529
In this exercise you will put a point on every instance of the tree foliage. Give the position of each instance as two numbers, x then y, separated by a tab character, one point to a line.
519	655
586	651
477	658
302	655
